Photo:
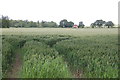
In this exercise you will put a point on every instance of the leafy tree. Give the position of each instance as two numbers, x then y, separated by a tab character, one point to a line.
11	23
109	24
63	23
43	23
5	22
22	23
52	24
38	24
49	24
32	24
81	25
17	24
92	25
69	24
98	23
26	23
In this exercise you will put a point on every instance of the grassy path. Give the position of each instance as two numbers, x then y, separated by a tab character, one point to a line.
16	66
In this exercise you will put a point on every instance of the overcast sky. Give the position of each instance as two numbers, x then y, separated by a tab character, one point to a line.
55	10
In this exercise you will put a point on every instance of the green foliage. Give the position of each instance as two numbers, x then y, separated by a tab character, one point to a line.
40	61
30	24
58	56
81	25
7	56
23	24
109	24
49	24
69	24
15	41
96	56
9	45
65	23
98	23
5	22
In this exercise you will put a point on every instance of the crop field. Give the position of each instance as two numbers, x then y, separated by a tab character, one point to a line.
60	53
60	31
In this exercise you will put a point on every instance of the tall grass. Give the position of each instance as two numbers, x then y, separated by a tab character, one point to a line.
49	53
96	56
40	61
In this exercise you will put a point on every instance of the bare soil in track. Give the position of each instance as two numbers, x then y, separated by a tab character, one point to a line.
16	66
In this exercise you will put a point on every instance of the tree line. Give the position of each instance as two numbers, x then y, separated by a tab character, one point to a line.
5	22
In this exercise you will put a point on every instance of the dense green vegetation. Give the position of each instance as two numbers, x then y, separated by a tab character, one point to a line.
7	56
5	22
9	45
40	61
58	56
96	56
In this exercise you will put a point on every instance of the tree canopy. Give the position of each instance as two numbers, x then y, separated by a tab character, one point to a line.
5	22
100	23
109	24
65	23
81	25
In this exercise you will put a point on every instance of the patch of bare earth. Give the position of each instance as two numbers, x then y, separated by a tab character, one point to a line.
16	66
78	74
